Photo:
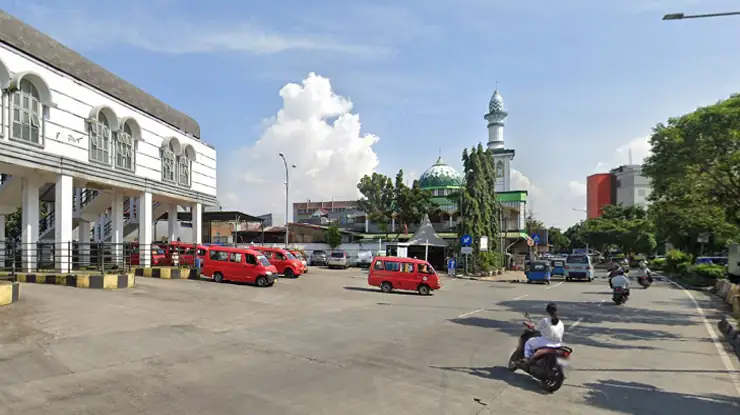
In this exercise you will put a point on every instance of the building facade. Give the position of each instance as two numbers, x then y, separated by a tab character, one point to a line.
630	186
103	157
599	193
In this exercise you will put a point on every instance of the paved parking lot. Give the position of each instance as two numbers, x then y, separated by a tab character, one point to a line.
326	343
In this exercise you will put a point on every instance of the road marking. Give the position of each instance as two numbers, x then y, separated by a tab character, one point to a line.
519	298
731	371
574	325
556	285
470	313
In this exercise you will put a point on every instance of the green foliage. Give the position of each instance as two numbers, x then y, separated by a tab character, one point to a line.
657	264
626	227
489	261
576	234
709	271
477	200
13	225
677	261
333	237
694	173
559	242
385	199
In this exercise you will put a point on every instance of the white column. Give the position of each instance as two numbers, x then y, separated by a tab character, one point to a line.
197	212
84	247
116	230
145	229
29	223
63	210
173	226
3	243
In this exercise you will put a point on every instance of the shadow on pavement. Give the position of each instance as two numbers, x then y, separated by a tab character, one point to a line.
377	290
640	398
628	370
515	379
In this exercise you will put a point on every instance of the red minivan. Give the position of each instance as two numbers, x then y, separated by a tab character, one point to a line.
391	273
185	252
159	255
238	265
283	260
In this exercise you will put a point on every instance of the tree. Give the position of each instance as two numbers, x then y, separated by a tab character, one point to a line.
385	200
532	225
576	234
559	242
626	227
699	154
333	237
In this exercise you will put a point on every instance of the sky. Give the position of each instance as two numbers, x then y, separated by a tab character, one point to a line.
347	88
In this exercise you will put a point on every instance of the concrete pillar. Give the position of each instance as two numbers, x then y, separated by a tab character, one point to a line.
145	229
197	212
3	242
29	223
84	247
78	201
116	229
173	226
63	211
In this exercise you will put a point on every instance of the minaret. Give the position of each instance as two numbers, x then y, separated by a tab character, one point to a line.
502	156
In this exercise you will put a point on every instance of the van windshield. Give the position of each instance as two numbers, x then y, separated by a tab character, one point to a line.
337	254
289	255
263	260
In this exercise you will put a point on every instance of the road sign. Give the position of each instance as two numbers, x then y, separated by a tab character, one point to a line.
530	242
536	239
466	240
483	244
466	250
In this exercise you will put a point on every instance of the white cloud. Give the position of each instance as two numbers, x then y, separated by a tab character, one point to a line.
317	132
161	31
577	188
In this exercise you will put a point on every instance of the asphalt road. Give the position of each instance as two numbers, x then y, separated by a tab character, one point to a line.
328	344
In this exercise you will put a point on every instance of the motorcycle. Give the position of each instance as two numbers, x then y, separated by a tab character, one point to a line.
620	295
547	365
645	281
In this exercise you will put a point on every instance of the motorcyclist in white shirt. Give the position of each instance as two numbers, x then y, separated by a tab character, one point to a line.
551	331
620	281
644	271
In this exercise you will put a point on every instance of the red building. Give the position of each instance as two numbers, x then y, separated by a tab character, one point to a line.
599	193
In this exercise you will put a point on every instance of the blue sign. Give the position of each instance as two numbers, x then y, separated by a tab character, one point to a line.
466	240
452	263
536	239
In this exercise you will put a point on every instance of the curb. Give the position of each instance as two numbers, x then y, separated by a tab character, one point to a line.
167	273
9	292
727	327
106	282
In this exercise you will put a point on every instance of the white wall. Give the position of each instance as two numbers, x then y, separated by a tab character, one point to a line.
72	105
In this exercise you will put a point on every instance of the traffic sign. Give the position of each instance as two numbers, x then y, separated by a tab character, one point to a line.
466	240
536	238
530	242
466	250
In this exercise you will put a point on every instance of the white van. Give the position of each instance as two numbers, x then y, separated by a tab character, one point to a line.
579	267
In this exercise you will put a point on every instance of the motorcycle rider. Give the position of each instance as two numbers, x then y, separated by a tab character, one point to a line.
644	271
620	281
614	270
551	333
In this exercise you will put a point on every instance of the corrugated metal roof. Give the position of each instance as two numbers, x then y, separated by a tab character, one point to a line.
26	39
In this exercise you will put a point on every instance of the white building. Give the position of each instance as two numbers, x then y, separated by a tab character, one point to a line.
630	186
102	154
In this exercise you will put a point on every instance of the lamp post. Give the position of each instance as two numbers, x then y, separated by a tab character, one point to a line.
681	16
287	187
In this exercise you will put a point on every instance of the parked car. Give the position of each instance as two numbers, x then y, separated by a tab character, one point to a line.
364	258
318	258
338	259
283	260
299	256
239	265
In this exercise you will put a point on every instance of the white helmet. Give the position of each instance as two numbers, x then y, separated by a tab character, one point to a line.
643	264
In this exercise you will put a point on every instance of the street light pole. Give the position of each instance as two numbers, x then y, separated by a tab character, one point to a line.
681	16
287	187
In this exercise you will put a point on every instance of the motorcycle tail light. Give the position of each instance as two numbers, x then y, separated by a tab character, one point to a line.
565	354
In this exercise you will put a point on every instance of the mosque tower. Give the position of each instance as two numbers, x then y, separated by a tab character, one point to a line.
502	156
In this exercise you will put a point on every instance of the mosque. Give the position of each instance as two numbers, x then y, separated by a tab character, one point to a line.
442	180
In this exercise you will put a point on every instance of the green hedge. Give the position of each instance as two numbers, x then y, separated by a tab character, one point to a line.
679	265
657	264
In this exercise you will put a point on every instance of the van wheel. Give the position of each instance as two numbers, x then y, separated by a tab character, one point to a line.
386	287
289	273
218	277
424	289
261	281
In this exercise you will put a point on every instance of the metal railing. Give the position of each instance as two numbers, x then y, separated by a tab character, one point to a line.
87	196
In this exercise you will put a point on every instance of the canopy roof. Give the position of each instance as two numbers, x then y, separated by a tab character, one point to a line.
426	235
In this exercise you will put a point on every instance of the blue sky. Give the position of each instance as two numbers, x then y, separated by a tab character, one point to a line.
582	81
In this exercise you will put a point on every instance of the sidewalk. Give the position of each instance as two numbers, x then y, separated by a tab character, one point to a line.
507	276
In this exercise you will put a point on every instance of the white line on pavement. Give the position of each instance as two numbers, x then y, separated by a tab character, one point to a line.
731	371
519	298
470	313
556	285
574	325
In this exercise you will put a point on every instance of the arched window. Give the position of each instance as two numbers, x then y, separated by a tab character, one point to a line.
185	166
26	114
100	138
125	148
168	163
